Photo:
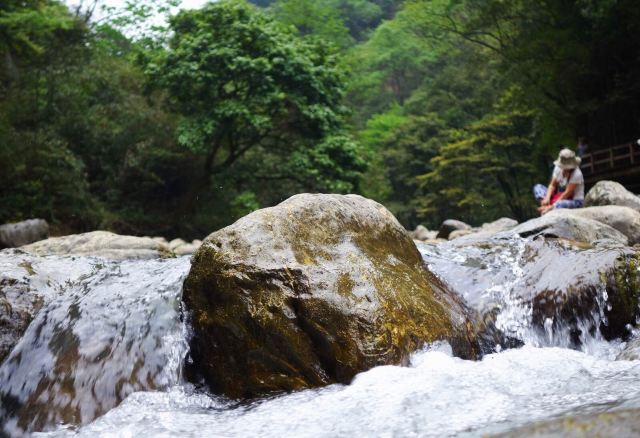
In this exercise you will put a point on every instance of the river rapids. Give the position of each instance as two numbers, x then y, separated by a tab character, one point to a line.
108	321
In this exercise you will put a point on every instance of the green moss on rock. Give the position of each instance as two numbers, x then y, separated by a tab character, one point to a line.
311	292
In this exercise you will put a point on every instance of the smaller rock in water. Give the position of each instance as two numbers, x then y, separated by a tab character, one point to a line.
567	225
176	243
631	350
101	244
617	424
624	219
23	233
486	230
455	234
450	225
161	240
423	233
611	193
187	248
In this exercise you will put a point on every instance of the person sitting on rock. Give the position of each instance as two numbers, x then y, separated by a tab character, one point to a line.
566	189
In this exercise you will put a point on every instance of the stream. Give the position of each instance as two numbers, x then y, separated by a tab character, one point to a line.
120	322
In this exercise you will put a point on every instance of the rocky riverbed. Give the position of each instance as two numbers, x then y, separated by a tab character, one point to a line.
321	317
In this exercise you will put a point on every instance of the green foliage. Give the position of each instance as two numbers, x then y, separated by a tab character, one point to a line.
319	18
41	177
486	172
243	204
26	26
247	89
458	106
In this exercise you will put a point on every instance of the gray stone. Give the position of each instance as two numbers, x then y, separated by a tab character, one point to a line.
618	424
631	350
455	234
422	233
450	225
23	233
567	225
176	243
161	240
611	193
502	224
101	244
186	249
624	219
485	231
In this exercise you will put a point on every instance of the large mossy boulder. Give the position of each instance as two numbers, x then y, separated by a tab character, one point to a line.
101	244
611	193
311	292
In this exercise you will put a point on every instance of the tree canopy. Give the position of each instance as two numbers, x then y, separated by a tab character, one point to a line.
437	108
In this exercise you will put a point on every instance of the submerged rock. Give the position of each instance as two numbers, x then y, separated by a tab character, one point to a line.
311	292
546	291
619	424
24	290
103	330
23	233
451	225
101	244
611	193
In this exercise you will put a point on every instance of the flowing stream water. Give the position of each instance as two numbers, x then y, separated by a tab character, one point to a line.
116	328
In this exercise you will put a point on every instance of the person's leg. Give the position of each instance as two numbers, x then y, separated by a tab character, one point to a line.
568	203
539	191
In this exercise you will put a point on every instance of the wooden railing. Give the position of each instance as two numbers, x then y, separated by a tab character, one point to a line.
619	157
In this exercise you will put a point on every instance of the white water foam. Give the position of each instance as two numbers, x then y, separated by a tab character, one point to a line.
438	395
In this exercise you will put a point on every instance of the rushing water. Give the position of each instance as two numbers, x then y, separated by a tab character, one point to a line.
114	328
122	321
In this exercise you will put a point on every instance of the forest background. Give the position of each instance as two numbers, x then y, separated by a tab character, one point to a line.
438	109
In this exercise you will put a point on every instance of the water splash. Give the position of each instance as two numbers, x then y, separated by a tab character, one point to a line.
438	395
527	287
114	329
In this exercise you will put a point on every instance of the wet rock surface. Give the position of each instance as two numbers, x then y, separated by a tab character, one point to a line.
631	350
619	424
24	290
101	244
23	233
557	290
311	292
100	331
